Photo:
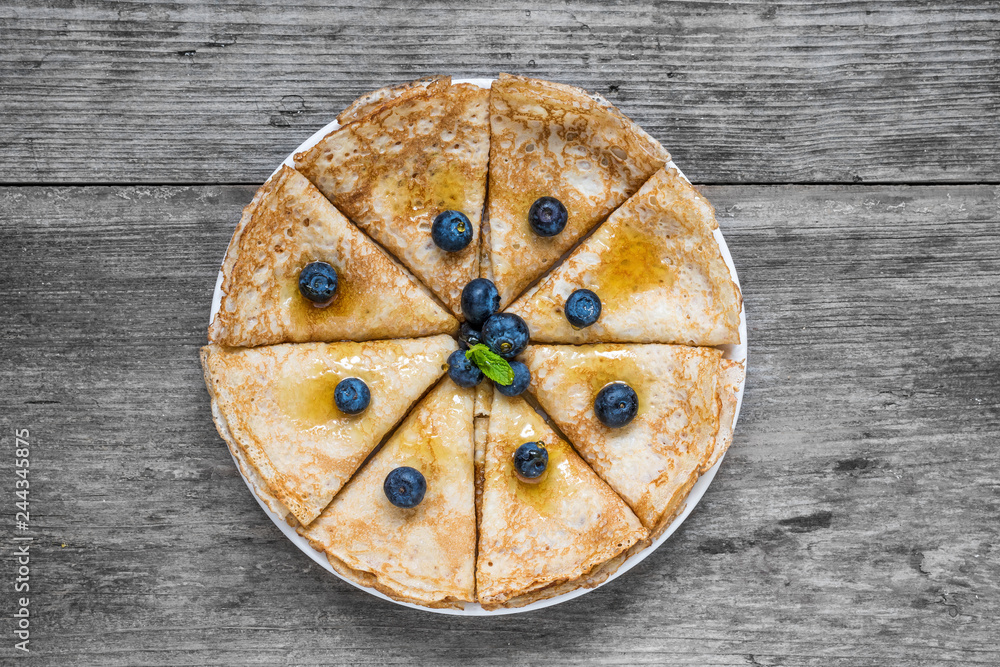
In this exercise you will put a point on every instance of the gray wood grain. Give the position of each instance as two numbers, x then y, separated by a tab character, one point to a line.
854	521
773	92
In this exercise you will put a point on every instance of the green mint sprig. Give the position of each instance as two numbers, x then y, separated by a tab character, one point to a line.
491	364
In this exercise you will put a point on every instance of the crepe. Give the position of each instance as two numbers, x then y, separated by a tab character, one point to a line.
368	102
544	539
657	268
687	401
417	151
276	405
288	225
548	139
425	554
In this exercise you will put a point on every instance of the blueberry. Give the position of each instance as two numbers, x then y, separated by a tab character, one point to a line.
463	372
467	336
531	459
522	378
451	231
616	405
547	216
480	299
405	487
318	282
583	307
352	396
506	334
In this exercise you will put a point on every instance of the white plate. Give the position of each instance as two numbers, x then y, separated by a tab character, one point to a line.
736	352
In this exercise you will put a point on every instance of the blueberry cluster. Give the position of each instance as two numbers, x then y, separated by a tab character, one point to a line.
505	334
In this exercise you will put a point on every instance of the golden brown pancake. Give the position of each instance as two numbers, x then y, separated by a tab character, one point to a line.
369	102
548	139
539	540
403	154
289	224
413	154
657	269
424	554
276	405
687	399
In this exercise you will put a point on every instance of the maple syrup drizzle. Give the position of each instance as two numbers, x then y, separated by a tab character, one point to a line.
632	263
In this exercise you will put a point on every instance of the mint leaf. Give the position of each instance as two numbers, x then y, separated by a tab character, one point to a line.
491	364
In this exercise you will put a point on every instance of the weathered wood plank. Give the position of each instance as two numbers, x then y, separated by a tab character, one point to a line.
740	92
854	521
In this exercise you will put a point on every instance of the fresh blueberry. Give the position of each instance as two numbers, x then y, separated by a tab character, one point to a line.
522	378
451	231
583	307
506	334
352	396
547	216
318	282
467	336
616	405
463	372
480	299
531	459
405	487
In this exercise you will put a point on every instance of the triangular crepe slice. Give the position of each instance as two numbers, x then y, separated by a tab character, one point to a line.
548	139
289	224
425	554
276	405
687	400
422	151
538	540
657	268
368	102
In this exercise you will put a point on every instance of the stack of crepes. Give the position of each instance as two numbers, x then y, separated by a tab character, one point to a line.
363	200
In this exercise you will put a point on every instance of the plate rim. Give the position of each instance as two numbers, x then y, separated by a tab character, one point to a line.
734	352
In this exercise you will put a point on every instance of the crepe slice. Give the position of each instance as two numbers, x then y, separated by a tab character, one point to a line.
687	401
423	150
544	539
549	139
288	225
368	102
655	265
275	405
425	554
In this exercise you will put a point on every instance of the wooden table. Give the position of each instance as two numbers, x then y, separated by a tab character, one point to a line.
850	149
